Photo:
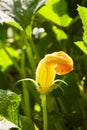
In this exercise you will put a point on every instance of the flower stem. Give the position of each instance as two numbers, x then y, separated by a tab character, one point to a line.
26	100
43	98
25	89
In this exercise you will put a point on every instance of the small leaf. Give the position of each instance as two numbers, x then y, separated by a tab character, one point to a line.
60	34
82	45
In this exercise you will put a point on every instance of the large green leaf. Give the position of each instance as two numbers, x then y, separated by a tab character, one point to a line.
56	11
83	15
9	105
19	11
5	61
82	45
6	124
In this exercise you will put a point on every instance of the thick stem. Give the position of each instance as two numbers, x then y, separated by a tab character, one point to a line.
43	98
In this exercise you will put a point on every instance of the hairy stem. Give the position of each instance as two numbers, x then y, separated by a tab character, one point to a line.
43	98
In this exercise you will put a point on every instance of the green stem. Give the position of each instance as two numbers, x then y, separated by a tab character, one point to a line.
30	56
26	100
31	59
75	20
25	90
34	48
43	98
29	33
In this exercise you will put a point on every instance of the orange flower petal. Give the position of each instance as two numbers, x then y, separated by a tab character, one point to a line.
61	62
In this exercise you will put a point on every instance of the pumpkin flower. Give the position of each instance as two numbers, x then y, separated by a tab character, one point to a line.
56	63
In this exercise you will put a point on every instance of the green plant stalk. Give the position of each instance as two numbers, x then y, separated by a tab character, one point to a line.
26	100
28	50
25	90
29	33
31	59
75	20
43	98
34	48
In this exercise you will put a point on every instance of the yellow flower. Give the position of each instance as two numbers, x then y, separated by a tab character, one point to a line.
56	63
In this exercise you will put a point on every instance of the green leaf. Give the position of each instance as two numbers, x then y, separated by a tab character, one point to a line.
83	15
56	12
4	64
82	45
4	17
40	4
6	125
9	105
60	34
19	11
15	24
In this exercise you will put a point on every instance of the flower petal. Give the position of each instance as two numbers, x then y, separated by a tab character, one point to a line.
44	76
62	63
